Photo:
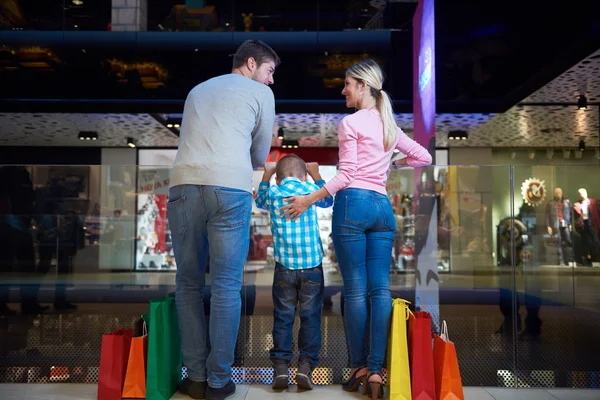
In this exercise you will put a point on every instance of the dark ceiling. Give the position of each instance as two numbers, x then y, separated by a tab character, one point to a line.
489	54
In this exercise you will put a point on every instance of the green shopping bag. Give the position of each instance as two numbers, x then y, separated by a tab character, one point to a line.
164	351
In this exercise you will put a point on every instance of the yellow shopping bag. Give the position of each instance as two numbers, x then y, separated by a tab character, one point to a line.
398	373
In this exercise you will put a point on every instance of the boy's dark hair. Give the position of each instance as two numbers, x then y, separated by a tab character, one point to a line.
291	166
257	49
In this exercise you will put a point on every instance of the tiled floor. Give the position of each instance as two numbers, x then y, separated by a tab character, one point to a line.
262	392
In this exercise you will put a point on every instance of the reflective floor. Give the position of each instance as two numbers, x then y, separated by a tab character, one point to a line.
264	392
555	343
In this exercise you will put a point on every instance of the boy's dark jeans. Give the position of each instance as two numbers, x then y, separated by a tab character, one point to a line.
303	287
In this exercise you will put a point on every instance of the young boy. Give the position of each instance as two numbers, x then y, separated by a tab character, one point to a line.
298	275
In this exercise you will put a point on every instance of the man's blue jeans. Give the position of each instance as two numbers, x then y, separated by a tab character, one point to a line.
303	288
215	221
363	226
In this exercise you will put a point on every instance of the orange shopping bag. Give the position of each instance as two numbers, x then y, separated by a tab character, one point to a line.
448	383
135	378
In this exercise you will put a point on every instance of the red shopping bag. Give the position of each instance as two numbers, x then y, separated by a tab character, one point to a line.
114	355
448	383
420	350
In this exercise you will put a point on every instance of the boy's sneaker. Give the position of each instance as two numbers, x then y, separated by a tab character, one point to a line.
280	375
304	375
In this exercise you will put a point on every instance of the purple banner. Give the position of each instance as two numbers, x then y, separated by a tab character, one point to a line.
425	198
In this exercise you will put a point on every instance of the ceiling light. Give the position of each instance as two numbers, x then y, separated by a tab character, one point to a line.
130	142
280	133
77	2
582	102
290	144
581	145
169	125
176	125
88	135
458	135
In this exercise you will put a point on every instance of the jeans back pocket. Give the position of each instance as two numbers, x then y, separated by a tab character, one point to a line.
235	206
358	209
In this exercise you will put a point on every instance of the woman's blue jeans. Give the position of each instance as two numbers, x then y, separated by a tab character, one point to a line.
363	226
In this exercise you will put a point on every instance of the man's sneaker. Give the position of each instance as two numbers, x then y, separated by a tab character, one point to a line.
304	375
196	390
220	393
280	375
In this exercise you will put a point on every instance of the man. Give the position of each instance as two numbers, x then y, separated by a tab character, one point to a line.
558	222
226	130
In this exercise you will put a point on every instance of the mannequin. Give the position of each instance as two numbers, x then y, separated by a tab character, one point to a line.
559	222
587	223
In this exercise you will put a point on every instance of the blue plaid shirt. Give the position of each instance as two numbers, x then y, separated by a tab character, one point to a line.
296	244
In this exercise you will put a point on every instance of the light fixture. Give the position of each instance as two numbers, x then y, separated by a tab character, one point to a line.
290	144
130	142
77	2
173	123
581	145
458	135
396	151
88	135
280	133
582	102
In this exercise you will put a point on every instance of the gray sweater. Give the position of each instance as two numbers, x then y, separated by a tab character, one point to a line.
226	130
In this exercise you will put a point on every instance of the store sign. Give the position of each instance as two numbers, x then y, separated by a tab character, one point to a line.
153	181
275	155
533	191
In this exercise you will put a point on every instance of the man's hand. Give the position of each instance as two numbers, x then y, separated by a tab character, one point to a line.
550	231
313	170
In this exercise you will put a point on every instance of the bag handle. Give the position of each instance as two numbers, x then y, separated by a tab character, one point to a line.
444	333
407	310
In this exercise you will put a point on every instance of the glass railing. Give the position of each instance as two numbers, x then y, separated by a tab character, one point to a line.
200	15
85	248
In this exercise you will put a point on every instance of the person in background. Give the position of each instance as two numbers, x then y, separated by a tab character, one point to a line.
363	222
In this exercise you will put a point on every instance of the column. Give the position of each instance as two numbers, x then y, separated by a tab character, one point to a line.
129	15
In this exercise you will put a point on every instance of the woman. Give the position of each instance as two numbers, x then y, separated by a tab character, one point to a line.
363	222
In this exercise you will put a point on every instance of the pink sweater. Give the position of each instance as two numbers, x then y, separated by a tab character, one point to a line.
364	162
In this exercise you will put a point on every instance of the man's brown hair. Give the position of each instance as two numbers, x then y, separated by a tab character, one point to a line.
257	49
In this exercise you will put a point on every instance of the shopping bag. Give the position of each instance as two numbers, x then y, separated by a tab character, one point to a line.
164	352
398	368
420	350
448	383
114	355
135	378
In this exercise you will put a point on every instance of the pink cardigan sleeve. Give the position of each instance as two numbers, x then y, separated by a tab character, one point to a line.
348	142
416	155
